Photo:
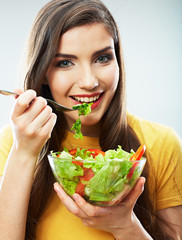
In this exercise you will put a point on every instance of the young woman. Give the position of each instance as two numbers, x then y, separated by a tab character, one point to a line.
74	55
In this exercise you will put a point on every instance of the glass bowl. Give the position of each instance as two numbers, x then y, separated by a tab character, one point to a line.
103	185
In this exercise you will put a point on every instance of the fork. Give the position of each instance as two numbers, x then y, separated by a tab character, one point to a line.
55	104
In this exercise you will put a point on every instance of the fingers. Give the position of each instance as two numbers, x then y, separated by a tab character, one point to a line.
79	206
132	197
38	109
103	218
33	121
66	200
32	114
22	102
40	119
47	117
128	203
18	91
48	126
83	209
89	210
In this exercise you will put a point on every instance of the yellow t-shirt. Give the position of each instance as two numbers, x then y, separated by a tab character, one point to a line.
164	156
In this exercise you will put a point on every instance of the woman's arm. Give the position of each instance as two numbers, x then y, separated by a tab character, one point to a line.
14	194
32	126
173	216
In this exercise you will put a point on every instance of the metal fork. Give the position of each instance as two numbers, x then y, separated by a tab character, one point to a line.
55	104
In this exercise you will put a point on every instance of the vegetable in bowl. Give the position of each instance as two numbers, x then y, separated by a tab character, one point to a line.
101	178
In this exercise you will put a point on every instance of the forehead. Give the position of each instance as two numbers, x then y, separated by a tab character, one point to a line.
93	36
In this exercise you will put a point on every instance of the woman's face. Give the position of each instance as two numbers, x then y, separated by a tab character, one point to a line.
85	69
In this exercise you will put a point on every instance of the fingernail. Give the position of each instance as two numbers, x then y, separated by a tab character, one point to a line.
56	187
75	197
144	180
143	184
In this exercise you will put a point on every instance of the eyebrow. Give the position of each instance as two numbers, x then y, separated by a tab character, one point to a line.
63	55
102	50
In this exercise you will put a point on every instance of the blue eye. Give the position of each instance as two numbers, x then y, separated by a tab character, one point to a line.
103	59
64	64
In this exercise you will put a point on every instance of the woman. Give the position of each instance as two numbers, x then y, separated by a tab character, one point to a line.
74	55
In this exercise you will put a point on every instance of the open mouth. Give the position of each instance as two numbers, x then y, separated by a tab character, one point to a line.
87	99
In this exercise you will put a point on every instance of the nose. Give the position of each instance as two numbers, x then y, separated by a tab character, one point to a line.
87	79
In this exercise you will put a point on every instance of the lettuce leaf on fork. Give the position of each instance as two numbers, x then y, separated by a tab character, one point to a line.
83	109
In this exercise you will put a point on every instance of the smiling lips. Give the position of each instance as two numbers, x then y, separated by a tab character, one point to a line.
86	98
95	98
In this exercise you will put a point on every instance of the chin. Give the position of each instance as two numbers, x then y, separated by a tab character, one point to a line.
90	120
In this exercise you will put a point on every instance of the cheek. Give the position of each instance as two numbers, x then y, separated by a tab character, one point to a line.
59	83
112	77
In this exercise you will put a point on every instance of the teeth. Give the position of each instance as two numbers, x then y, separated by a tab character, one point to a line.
86	99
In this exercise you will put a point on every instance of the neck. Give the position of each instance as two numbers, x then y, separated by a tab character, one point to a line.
91	131
88	128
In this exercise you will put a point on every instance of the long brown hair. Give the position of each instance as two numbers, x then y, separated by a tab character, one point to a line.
53	20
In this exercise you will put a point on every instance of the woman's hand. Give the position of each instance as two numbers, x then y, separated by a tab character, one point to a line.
119	220
32	121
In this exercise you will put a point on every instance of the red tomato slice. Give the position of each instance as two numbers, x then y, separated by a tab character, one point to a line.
95	152
73	151
78	163
87	175
80	189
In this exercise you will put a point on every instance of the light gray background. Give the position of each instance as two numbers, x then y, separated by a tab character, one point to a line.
151	33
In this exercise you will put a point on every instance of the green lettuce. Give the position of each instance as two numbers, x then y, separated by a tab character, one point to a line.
77	127
83	109
108	181
110	172
66	172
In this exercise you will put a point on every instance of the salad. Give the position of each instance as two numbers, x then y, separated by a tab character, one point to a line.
102	178
83	109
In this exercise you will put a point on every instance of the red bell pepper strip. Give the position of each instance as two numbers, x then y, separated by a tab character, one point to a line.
136	156
132	169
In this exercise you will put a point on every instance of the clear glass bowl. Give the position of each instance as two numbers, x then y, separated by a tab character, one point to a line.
105	187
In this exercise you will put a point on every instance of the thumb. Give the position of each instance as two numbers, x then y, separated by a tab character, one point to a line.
18	91
137	190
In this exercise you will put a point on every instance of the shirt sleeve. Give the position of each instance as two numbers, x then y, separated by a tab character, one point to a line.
169	174
6	141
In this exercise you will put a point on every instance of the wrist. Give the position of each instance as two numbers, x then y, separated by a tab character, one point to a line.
21	156
25	152
135	231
